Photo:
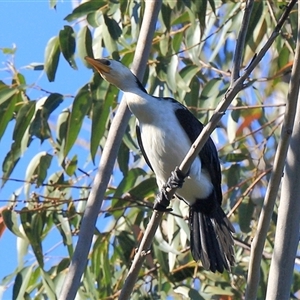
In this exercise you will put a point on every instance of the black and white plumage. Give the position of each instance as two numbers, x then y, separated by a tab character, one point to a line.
166	130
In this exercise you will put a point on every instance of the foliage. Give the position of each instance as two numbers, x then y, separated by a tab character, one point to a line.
191	54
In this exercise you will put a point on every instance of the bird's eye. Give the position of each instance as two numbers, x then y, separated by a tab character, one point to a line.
106	62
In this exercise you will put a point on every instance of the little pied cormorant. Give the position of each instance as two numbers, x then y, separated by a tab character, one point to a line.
165	131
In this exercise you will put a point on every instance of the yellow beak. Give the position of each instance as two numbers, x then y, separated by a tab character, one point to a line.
101	65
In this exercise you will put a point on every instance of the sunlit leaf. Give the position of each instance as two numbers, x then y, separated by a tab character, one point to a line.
63	226
23	120
71	166
110	40
52	53
84	8
32	223
39	126
6	94
103	98
21	282
85	45
67	44
10	161
53	3
6	112
144	188
10	218
81	106
36	171
48	285
128	181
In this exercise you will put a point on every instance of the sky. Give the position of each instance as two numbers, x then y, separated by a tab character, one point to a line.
29	25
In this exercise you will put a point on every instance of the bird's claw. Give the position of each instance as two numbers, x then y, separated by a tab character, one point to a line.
161	201
176	179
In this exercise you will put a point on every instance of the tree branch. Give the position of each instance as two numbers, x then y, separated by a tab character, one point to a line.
109	155
272	190
287	229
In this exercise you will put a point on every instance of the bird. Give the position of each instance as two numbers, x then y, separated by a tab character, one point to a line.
165	132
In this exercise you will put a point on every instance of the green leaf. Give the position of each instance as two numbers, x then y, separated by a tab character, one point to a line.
85	45
85	8
52	53
234	175
63	227
171	73
212	4
7	111
7	93
61	131
39	126
245	213
144	189
211	89
23	120
123	158
53	3
200	9
10	161
128	182
33	224
48	285
81	105
166	15
37	170
110	40
6	50
257	11
10	218
52	102
103	98
21	282
71	166
113	28
68	44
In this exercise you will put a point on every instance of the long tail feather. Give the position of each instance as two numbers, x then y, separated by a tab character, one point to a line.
211	239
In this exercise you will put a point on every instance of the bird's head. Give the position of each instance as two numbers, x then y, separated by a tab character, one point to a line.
115	72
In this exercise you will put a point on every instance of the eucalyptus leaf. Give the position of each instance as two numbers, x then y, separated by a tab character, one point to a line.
7	93
52	53
10	218
84	8
67	44
81	106
85	45
6	112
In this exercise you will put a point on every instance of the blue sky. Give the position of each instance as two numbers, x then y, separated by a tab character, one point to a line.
29	25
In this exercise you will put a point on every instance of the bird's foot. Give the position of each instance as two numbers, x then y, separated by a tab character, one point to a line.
162	201
176	179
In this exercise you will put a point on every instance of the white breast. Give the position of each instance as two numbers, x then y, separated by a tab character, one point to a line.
166	144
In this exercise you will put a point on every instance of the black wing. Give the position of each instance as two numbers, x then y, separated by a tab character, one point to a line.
208	154
139	139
